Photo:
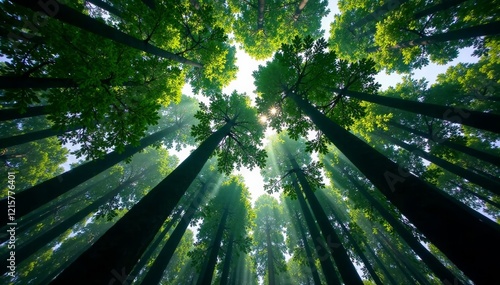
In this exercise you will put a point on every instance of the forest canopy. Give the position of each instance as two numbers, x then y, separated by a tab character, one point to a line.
129	154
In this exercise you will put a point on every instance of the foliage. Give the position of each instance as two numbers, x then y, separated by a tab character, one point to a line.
241	146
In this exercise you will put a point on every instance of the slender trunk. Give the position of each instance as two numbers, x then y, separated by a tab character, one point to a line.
12	114
489	29
148	254
479	120
84	22
437	215
271	275
382	266
481	197
105	6
334	245
326	263
357	248
396	260
33	136
310	258
207	272
378	13
444	5
430	260
157	269
493	159
260	19
299	10
14	82
227	261
36	196
407	263
119	249
32	246
477	179
38	216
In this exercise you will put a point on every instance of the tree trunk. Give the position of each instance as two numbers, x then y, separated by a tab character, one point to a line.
227	261
493	159
445	4
84	22
36	196
14	82
489	29
33	136
41	240
158	267
479	120
397	262
334	245
299	10
105	6
119	249
407	263
260	17
310	258
381	265
357	248
464	236
207	272
477	179
326	263
271	275
148	254
12	114
430	260
378	13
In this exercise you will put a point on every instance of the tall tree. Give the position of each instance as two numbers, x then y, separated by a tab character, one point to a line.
294	91
269	241
230	130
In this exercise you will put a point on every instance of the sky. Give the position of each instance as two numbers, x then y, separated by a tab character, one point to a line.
244	84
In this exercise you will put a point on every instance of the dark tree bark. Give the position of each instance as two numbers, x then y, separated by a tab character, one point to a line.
381	265
84	22
148	254
407	263
430	260
477	179
119	249
224	279
493	159
32	246
158	267
207	271
480	120
464	236
337	250
445	4
489	29
33	136
326	263
271	275
356	247
299	10
396	260
36	196
260	17
310	258
12	114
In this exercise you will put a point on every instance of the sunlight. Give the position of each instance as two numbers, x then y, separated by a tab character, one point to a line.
263	119
273	111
